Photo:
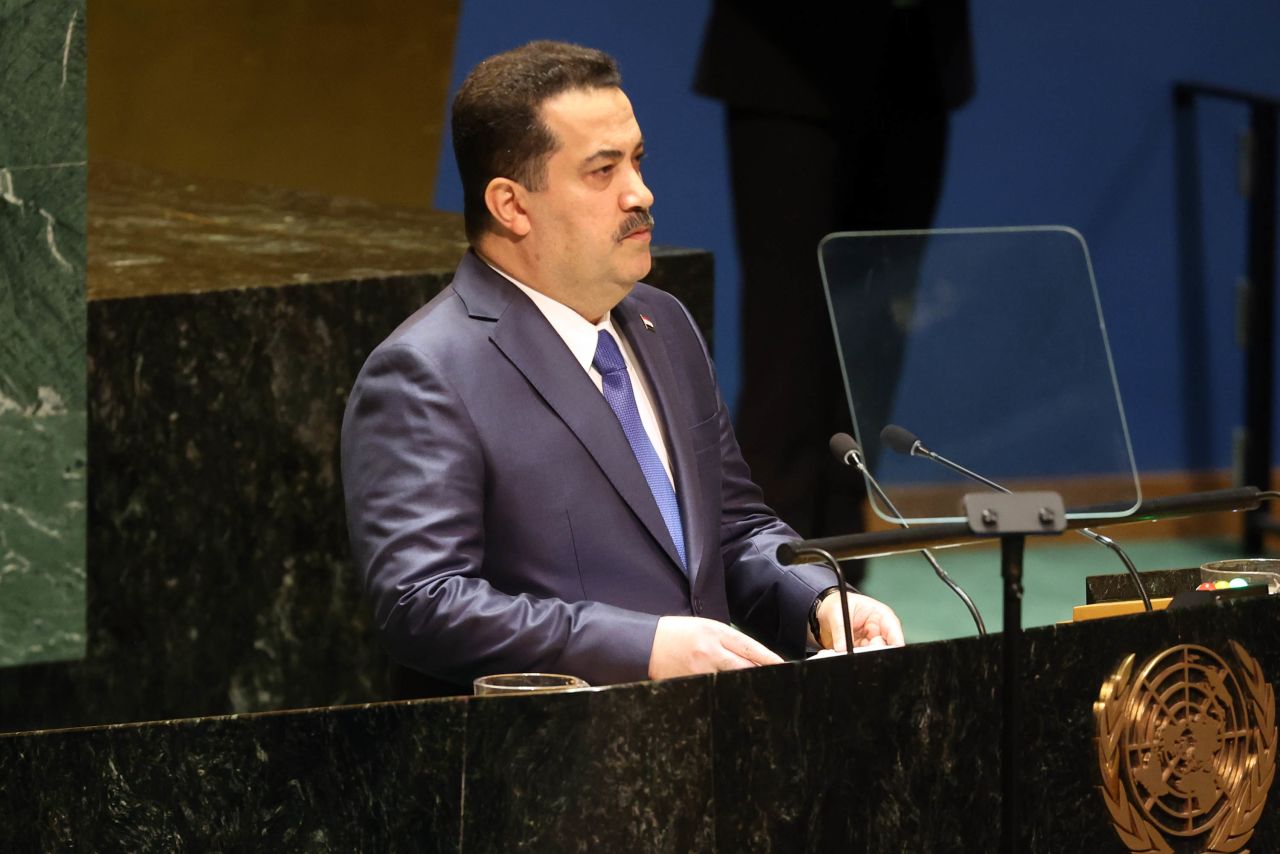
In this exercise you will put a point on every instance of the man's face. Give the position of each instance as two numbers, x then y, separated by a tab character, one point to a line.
590	225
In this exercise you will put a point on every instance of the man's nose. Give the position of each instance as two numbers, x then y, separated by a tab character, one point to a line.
637	195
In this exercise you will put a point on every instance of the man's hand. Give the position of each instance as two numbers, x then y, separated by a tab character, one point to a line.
687	645
873	623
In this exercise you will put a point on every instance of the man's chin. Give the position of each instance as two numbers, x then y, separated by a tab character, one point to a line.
640	266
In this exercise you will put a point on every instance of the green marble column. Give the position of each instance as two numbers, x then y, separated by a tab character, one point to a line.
42	330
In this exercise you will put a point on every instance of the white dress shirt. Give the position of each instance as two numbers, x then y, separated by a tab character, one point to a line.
581	336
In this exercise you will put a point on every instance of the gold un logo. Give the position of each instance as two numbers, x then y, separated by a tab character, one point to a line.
1186	747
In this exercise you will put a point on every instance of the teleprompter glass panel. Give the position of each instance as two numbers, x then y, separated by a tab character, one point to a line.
989	347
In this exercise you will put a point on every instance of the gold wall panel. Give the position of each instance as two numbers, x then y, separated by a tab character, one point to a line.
343	98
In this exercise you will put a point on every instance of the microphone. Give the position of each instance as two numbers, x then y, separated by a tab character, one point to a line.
903	441
845	448
900	440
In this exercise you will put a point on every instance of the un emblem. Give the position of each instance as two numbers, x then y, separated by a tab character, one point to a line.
1186	747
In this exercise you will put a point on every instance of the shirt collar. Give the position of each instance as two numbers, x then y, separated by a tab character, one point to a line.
579	334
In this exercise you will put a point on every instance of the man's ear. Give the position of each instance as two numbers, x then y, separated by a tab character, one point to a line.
505	200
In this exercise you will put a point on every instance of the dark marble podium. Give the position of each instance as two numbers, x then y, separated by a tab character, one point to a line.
887	751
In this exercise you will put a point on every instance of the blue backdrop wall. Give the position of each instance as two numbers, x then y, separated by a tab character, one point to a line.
1072	124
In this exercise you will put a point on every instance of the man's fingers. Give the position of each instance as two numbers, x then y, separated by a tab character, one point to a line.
886	626
747	648
892	631
729	660
685	645
873	623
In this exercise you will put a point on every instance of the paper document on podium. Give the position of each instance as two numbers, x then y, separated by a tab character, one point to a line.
828	653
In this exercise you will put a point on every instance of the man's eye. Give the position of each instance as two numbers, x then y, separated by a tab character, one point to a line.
605	170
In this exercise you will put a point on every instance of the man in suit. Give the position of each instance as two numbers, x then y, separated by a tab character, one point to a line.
540	473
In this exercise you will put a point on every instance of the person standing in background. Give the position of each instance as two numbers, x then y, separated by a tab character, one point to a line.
836	121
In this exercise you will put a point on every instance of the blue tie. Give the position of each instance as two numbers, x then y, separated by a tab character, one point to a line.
617	390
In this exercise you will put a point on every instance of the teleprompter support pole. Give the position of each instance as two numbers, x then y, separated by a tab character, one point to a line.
1011	517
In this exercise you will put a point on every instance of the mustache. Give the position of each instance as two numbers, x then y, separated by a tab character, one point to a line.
638	221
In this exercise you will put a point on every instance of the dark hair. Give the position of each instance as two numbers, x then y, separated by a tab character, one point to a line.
497	129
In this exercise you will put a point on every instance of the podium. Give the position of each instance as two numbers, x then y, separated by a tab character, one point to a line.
895	750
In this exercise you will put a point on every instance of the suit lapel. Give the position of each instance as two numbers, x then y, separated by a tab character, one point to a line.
531	344
651	354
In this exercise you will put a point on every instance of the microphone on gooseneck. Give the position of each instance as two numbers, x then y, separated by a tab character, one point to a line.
903	441
846	450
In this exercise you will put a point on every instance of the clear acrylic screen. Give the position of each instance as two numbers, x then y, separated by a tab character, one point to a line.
988	345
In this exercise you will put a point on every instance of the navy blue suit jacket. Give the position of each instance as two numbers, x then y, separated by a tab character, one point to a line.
500	519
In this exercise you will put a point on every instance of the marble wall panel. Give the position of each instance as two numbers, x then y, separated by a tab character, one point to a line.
42	331
42	77
42	414
219	579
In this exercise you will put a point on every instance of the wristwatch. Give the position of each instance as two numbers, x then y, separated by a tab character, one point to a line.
814	628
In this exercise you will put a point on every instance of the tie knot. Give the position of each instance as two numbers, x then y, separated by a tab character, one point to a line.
608	358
